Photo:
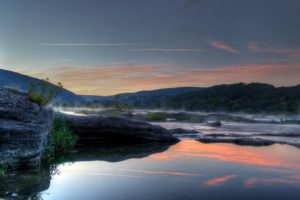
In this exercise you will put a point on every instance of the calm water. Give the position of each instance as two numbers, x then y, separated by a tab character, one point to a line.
187	170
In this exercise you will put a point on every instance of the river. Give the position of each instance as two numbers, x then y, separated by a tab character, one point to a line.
187	170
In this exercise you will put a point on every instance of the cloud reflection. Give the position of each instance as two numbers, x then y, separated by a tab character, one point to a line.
291	180
217	181
263	156
161	172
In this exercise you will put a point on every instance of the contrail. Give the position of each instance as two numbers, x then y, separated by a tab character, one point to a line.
84	44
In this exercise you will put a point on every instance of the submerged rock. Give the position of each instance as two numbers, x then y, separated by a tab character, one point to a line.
214	124
183	131
96	130
244	141
24	129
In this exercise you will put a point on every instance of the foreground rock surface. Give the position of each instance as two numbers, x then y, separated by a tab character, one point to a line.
96	130
24	129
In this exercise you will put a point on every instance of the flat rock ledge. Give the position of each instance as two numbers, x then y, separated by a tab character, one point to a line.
97	130
264	139
24	130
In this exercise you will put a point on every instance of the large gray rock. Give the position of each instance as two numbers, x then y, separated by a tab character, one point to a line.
96	130
24	129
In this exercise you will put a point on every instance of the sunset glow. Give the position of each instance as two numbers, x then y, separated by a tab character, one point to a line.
112	47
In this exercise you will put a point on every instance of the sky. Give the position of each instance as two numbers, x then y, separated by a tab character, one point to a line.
104	47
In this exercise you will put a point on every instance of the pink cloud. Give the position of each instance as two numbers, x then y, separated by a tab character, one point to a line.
224	46
292	52
112	79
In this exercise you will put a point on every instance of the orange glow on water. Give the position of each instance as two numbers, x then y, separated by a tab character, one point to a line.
217	181
260	156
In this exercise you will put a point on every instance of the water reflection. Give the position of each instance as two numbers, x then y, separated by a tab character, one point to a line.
274	156
117	153
187	170
218	181
23	185
292	180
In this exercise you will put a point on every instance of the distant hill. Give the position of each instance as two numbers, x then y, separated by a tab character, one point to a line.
145	93
150	98
241	97
20	81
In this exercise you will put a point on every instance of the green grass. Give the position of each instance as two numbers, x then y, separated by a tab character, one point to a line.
156	116
38	98
196	119
61	142
42	92
2	171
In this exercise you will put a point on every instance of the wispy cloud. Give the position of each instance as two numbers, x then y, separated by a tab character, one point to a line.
112	79
224	46
287	52
168	50
291	52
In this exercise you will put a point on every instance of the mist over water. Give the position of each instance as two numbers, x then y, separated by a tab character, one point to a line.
283	129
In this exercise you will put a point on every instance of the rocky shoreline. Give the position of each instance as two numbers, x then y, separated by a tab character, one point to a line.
25	127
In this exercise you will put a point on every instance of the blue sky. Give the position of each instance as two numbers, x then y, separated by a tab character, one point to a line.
111	46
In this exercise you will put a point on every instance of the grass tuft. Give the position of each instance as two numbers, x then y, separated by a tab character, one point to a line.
61	142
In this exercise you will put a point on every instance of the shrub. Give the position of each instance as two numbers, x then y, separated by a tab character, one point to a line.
198	119
42	92
60	143
156	116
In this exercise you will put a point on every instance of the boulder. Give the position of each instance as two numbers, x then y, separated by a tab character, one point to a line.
24	129
97	130
214	124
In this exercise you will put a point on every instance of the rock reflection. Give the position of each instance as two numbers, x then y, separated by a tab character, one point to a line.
117	153
28	184
25	184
